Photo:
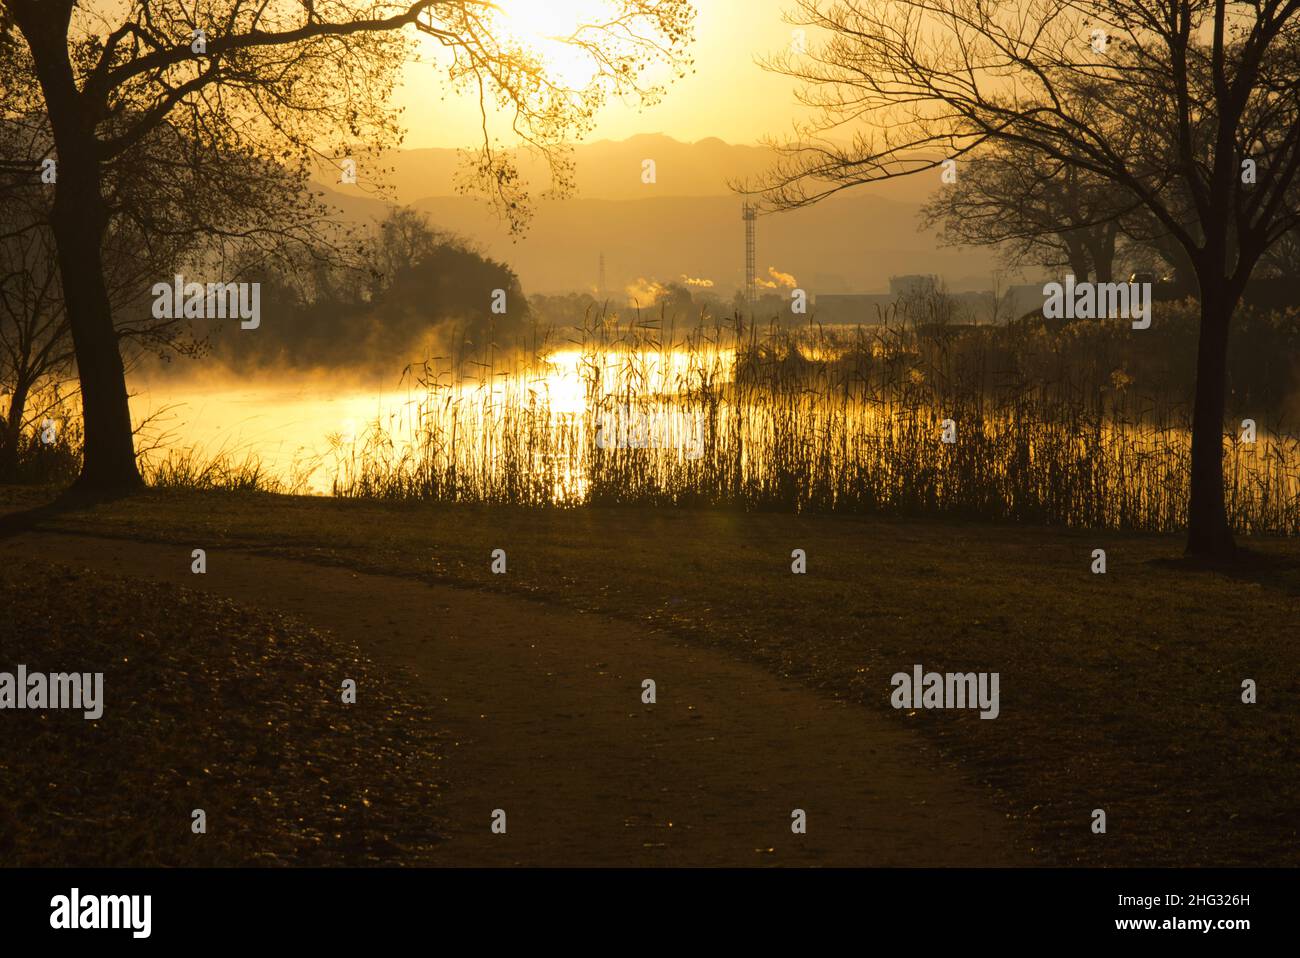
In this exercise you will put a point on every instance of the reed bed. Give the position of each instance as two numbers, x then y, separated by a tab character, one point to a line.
728	413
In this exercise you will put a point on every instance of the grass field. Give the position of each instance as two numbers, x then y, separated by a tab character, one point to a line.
212	707
1119	691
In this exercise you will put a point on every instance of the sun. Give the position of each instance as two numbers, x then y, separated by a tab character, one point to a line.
552	18
543	25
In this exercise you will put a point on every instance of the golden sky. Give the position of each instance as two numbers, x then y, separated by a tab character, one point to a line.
729	96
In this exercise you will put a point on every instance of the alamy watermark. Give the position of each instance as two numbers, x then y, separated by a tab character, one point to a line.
950	690
75	910
626	428
55	690
1087	300
179	299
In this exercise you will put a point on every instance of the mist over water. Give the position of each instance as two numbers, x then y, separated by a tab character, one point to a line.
290	423
900	419
303	427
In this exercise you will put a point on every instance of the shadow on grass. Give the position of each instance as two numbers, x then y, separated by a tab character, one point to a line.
71	500
1246	565
210	705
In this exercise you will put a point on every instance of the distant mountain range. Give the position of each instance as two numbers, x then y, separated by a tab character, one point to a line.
686	224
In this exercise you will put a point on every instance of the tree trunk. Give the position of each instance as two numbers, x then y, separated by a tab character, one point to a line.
1184	272
1076	253
1208	533
109	454
78	219
1102	250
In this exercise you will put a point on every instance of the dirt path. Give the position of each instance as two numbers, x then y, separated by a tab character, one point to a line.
546	719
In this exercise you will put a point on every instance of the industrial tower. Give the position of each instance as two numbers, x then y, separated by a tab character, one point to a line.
750	215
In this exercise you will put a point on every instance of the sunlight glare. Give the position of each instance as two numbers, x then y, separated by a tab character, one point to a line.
543	25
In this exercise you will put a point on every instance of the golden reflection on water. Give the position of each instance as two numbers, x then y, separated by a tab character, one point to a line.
299	427
684	426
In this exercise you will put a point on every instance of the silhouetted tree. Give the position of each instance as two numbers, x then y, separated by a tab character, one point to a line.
407	283
1040	211
1187	107
174	206
271	80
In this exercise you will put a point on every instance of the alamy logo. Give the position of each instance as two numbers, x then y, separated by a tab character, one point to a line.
951	690
179	299
624	428
57	690
102	911
1098	301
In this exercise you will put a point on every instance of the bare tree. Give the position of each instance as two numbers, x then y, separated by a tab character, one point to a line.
1282	259
1039	211
173	205
36	350
34	345
278	81
1189	107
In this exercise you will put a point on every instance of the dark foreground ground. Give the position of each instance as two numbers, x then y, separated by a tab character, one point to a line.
1119	691
207	705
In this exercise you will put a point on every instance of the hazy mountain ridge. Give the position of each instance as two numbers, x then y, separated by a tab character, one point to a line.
612	170
685	224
